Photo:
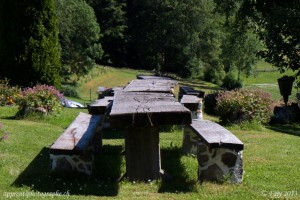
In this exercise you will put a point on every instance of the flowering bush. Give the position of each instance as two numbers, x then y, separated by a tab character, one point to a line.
41	98
8	94
244	105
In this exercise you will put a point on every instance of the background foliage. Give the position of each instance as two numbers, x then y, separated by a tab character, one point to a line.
79	36
28	42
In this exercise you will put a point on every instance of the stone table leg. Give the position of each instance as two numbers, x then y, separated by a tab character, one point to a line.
142	153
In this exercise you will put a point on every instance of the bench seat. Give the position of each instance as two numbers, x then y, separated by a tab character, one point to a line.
185	90
219	152
215	135
100	106
75	147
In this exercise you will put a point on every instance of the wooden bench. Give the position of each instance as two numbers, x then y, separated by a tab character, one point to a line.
194	104
74	149
100	106
185	90
218	151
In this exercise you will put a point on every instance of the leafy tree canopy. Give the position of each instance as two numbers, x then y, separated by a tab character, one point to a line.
277	24
111	15
79	36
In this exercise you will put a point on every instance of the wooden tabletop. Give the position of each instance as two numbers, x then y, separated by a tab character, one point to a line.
149	85
147	108
187	99
152	77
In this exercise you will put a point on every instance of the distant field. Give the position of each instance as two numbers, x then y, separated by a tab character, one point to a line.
106	77
111	77
265	78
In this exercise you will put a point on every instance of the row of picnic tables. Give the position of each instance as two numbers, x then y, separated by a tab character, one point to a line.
140	109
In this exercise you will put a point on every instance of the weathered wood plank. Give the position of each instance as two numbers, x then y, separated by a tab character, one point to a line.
190	99
77	137
191	102
215	135
142	153
185	90
100	105
151	86
147	108
147	77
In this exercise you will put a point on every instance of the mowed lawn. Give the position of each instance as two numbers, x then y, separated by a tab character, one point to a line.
266	79
271	159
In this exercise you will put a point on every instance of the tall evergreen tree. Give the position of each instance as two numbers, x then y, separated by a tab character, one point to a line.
29	51
111	15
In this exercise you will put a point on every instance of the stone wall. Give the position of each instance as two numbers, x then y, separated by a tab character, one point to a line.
82	163
219	164
72	163
190	141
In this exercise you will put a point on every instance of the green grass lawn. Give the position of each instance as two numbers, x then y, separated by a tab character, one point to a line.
271	159
266	79
106	77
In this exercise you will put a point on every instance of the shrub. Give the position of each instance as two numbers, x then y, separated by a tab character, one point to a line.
210	103
69	91
244	105
214	75
231	83
40	98
8	94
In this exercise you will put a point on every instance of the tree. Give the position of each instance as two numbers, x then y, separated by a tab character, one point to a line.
240	51
277	24
279	28
165	35
29	51
79	36
111	15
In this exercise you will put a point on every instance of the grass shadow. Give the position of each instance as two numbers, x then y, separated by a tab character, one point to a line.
176	179
38	177
113	134
291	129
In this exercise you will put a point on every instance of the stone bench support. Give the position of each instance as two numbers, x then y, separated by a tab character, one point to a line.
219	152
219	164
74	150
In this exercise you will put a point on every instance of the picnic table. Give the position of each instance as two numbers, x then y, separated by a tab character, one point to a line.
151	85
141	108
